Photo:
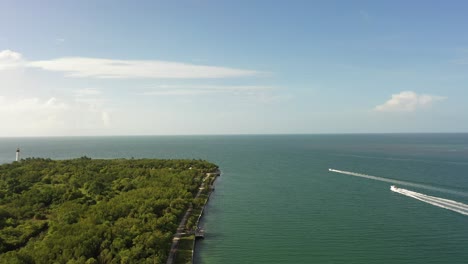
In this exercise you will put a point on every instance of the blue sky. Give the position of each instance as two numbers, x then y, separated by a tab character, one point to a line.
232	67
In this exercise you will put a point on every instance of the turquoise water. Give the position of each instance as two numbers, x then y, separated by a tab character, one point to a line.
276	201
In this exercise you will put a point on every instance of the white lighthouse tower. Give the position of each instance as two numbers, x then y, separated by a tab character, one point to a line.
17	154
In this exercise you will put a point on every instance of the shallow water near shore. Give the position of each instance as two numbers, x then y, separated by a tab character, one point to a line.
277	202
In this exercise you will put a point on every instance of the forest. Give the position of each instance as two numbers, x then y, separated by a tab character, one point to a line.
94	210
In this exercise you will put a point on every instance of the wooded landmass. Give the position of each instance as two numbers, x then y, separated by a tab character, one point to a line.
94	211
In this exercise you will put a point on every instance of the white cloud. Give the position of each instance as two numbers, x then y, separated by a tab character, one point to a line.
10	59
179	92
26	105
50	116
208	89
87	92
92	98
122	69
108	68
408	101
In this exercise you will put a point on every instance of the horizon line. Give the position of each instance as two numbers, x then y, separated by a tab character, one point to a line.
240	134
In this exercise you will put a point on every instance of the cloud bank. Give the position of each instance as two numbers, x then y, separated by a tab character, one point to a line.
207	89
83	67
408	101
53	116
127	69
10	59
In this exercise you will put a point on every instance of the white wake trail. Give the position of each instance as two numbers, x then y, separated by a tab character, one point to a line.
417	185
436	201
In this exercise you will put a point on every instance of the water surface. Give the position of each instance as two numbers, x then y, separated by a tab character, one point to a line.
276	201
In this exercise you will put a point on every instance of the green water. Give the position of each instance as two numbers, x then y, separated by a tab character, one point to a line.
276	201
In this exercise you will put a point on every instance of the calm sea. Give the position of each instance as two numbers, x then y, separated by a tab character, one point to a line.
276	201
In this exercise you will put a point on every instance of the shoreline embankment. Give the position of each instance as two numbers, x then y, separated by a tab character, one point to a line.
185	231
215	175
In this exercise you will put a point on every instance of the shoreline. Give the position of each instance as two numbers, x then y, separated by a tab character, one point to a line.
184	241
211	189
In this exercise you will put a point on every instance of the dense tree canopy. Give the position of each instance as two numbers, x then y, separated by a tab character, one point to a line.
94	211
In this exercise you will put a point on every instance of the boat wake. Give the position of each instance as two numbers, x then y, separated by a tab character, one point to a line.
436	201
405	183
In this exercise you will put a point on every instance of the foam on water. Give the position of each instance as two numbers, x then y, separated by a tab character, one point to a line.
399	182
436	201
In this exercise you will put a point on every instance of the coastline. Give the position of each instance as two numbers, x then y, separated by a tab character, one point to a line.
188	232
211	189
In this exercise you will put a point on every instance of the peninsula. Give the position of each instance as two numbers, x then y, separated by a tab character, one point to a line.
100	211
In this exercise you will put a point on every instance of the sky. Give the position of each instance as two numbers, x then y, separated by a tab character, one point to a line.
84	68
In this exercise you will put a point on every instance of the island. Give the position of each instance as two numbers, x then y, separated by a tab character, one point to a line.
102	210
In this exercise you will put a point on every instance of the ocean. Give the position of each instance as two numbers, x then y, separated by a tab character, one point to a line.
277	202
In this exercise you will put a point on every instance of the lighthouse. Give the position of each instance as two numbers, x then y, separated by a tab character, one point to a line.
17	154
